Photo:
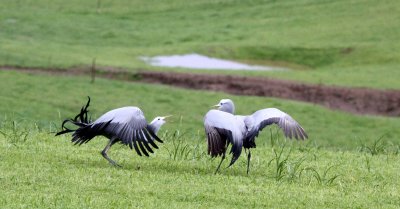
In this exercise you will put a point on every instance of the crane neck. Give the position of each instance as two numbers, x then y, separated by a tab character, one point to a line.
154	128
155	125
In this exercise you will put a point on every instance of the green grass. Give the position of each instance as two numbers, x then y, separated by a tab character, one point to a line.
349	161
49	172
43	99
344	164
331	42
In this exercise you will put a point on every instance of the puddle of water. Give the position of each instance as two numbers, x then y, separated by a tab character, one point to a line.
198	61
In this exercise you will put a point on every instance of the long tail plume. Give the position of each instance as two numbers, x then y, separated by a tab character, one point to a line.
80	120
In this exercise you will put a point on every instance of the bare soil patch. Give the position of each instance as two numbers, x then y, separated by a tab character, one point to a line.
354	100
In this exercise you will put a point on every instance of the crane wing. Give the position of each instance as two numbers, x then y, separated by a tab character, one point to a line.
262	118
130	126
221	129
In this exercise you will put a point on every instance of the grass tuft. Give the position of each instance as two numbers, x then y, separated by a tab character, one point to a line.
380	146
14	132
179	146
322	178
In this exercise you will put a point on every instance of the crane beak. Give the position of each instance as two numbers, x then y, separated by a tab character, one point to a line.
166	117
216	106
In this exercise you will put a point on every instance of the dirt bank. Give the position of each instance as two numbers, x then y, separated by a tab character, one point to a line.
354	100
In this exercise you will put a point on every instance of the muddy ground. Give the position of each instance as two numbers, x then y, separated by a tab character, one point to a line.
354	100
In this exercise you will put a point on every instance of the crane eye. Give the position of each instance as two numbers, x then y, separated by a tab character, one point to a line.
159	119
221	103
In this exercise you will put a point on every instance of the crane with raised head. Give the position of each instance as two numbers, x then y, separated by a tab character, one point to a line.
222	128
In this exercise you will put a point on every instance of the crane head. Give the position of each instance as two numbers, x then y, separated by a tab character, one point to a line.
226	105
158	121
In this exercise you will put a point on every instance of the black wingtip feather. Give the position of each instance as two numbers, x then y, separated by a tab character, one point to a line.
146	140
145	131
303	132
136	148
153	135
142	148
134	143
130	144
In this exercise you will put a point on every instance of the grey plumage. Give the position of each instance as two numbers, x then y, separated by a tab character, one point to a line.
126	125
223	128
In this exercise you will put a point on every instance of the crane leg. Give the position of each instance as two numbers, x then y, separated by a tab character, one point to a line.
222	159
105	150
248	162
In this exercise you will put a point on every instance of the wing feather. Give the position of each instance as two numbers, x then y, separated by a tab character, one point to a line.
262	118
152	134
151	141
136	148
213	137
129	125
131	144
142	148
148	148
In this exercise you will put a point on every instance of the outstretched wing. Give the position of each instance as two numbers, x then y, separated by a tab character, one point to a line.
221	129
130	126
262	118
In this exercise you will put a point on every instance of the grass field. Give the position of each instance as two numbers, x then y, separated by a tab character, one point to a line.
331	42
349	161
48	172
343	164
43	99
